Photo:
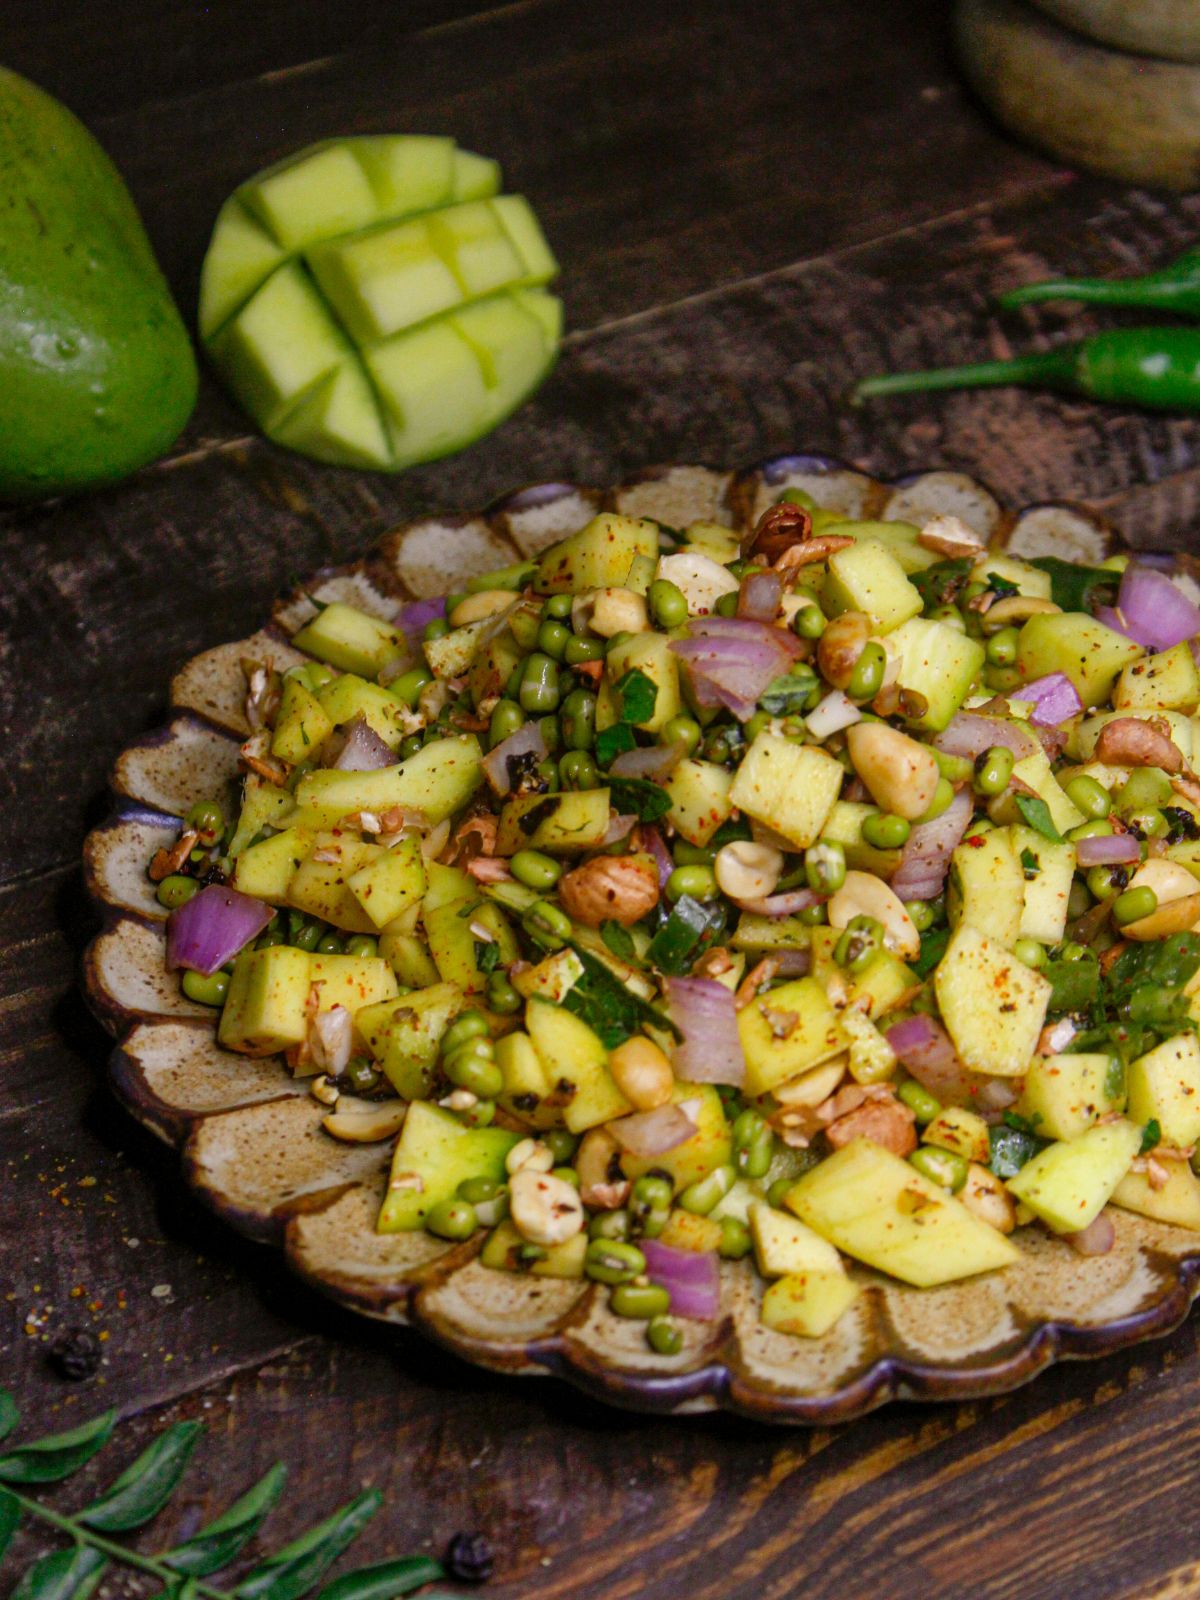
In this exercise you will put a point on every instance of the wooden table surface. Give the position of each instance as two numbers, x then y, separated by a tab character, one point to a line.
753	203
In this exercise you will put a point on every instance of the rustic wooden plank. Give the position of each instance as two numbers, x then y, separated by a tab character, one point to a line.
107	596
663	147
1010	1500
179	48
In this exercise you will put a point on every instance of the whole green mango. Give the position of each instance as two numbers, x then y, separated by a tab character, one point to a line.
97	374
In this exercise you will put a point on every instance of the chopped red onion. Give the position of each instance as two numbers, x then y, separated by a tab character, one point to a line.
362	749
970	734
652	842
759	596
927	1052
830	715
653	1133
620	826
703	1010
692	1277
733	659
925	859
526	742
1113	850
655	762
411	619
1097	1239
788	904
1055	699
212	927
1155	612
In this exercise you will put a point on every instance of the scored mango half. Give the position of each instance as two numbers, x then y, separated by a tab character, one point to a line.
377	302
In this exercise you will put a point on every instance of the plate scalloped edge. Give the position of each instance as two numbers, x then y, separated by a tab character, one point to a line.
250	1139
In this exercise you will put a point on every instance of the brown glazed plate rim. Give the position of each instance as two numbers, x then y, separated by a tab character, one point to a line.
249	1137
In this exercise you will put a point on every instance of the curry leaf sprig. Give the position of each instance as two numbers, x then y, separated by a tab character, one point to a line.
142	1490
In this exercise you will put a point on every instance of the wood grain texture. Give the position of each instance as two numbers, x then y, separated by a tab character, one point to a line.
754	205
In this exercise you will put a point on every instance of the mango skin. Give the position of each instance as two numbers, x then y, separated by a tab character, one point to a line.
97	374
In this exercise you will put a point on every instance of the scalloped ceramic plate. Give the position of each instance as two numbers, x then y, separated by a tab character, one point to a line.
250	1139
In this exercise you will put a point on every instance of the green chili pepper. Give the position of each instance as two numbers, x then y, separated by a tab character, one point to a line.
1158	368
1174	288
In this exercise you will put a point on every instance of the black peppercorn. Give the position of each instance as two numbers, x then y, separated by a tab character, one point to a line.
469	1558
75	1354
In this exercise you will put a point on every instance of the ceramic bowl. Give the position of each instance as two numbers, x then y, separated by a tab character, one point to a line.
250	1139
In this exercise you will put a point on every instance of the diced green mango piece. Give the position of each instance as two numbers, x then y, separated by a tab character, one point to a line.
1029	580
1177	1201
558	823
473	243
432	388
387	279
351	639
265	870
874	991
473	177
552	978
350	981
1048	868
813	1037
525	234
452	654
438	779
240	255
1164	1087
321	887
279	345
407	171
899	538
504	1249
526	1081
345	698
403	1035
302	725
1169	681
700	800
391	882
684	1230
940	664
1065	1095
844	826
598	556
965	1132
409	959
987	886
436	1148
789	787
266	1008
754	932
264	805
338	421
1068	1183
868	578
1071	642
708	1148
446	884
808	1304
452	944
492	665
577	1064
784	1244
992	1004
321	192
881	1210
649	653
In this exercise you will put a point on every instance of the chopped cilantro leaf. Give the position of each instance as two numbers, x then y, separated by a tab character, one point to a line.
1151	1136
638	694
1169	963
1029	861
487	955
940	584
788	696
1037	814
1077	588
933	948
1010	1149
1074	985
645	800
1002	588
613	1012
611	742
619	940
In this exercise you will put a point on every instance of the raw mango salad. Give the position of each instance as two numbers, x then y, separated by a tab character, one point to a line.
826	893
